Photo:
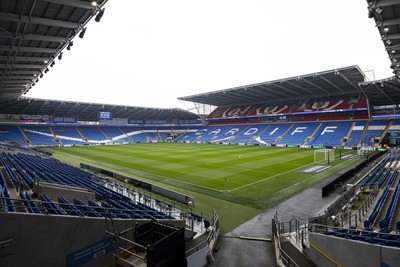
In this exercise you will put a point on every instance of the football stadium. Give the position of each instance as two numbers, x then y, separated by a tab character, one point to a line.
298	171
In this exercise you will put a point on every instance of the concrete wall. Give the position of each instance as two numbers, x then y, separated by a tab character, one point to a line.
174	195
330	251
69	192
188	200
46	240
199	259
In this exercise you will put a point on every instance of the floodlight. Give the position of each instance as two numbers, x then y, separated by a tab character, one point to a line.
46	70
52	64
82	33
370	13
70	45
41	75
99	15
60	56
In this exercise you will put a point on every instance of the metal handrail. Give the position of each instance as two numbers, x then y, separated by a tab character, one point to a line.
277	234
128	241
212	235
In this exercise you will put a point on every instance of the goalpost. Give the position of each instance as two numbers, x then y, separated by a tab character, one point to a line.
324	156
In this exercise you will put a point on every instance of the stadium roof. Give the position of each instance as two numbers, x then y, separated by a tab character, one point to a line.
343	81
34	33
88	111
382	92
386	14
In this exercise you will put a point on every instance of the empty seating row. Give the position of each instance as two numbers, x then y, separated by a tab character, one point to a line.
309	133
30	205
384	223
377	238
27	169
376	209
304	107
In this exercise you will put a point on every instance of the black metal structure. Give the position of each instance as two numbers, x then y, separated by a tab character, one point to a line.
33	35
386	14
88	111
342	81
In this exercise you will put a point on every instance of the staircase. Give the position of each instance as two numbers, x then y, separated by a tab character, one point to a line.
349	133
55	138
83	137
281	136
311	137
26	137
363	134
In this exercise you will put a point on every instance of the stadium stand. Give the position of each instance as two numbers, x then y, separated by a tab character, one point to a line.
92	134
298	133
357	130
39	135
271	133
250	132
68	135
13	134
190	135
331	133
228	134
374	131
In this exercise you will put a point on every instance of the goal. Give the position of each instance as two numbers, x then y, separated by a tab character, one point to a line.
324	156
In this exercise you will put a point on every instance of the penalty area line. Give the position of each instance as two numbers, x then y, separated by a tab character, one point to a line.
268	178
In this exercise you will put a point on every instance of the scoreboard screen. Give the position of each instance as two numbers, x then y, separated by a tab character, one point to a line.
104	115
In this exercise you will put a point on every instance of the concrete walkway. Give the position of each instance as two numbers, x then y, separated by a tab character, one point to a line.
234	251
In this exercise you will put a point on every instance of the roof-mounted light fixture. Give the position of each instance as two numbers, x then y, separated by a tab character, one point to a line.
82	33
70	45
370	13
99	15
60	56
52	64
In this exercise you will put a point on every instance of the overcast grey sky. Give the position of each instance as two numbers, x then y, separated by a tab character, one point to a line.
149	53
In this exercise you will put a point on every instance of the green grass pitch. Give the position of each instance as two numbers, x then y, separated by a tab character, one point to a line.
238	181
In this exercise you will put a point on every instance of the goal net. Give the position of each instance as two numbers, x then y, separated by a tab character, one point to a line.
324	156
